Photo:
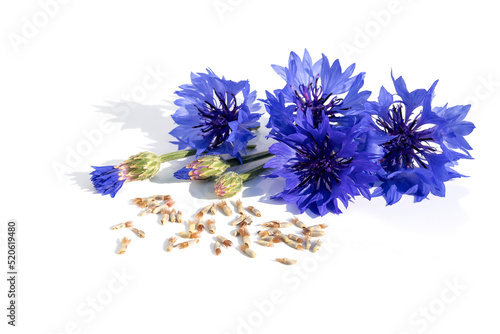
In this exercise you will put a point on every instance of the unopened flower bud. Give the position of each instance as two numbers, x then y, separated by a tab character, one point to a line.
228	184
205	168
140	166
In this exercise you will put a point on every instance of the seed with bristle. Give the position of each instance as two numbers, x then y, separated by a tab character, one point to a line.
265	243
138	200
286	261
217	248
200	226
122	225
271	238
238	220
248	220
294	244
213	209
124	244
140	233
242	224
211	226
222	205
170	202
274	231
295	238
173	216
285	238
317	227
160	208
298	223
313	234
191	226
245	236
186	244
308	242
153	204
225	242
254	211
246	240
239	207
273	224
317	246
206	209
178	216
263	234
150	201
244	232
189	235
170	243
166	217
146	212
199	215
246	249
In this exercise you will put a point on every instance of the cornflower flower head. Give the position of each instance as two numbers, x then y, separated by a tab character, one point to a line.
321	164
318	87
421	143
215	115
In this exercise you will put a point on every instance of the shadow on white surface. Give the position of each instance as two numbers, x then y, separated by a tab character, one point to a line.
118	246
152	120
434	213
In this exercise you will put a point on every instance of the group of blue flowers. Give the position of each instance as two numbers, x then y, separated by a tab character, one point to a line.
331	142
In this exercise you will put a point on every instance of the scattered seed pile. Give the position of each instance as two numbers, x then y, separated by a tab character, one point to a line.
268	237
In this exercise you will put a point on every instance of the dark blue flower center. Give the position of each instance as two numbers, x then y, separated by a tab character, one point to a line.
322	168
215	117
312	97
410	143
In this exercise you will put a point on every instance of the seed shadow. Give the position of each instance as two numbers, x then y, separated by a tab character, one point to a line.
212	246
118	246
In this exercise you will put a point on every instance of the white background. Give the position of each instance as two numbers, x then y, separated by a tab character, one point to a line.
77	91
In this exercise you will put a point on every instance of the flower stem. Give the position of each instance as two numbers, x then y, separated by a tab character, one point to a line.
252	173
249	158
187	153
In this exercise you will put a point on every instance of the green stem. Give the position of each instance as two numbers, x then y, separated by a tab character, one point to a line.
252	173
177	155
187	153
249	158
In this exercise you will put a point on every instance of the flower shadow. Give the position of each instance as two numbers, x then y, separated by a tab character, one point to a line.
152	120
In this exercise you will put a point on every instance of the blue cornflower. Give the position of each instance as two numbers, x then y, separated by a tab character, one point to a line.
215	115
107	180
318	87
321	164
420	144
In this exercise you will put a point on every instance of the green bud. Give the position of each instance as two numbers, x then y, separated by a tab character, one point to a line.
141	166
207	167
228	184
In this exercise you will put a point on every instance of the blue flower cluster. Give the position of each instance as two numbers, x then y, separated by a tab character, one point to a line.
333	144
